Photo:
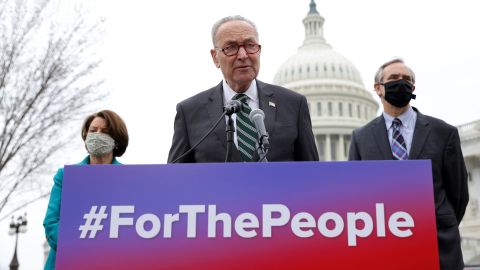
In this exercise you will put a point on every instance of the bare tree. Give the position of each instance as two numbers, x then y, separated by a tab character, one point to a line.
47	80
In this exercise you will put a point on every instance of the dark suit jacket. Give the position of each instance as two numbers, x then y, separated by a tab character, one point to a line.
438	141
287	121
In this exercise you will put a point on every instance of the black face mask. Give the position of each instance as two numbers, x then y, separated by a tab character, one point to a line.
399	93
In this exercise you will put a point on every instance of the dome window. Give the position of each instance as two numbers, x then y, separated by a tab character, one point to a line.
330	109
340	108
319	108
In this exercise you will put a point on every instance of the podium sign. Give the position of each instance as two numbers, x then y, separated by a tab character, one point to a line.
285	215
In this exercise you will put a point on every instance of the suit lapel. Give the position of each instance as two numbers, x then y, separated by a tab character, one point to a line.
267	104
215	109
381	138
420	135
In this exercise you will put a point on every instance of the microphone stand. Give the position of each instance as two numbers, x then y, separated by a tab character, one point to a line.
203	138
230	129
263	148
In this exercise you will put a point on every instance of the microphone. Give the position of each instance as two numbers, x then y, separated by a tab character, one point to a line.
257	116
232	106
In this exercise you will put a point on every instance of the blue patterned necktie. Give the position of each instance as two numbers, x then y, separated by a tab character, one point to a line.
246	132
399	148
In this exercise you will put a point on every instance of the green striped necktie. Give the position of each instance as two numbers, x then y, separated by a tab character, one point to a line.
246	132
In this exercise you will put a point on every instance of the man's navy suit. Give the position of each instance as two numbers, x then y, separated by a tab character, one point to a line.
439	142
287	121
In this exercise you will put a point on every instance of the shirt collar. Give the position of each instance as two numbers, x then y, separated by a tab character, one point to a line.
406	117
252	92
87	161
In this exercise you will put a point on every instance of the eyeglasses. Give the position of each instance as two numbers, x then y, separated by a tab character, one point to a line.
232	49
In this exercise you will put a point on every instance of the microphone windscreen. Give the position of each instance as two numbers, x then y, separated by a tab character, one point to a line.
255	113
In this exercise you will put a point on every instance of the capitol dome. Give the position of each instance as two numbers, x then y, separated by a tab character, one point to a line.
317	61
333	86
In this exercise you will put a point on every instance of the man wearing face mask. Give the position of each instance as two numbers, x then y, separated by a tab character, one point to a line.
402	133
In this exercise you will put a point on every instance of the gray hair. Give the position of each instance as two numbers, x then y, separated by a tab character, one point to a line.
379	74
228	19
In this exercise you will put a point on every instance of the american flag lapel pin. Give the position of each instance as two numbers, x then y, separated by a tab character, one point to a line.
271	104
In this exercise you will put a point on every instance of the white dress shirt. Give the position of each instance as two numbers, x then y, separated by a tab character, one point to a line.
252	101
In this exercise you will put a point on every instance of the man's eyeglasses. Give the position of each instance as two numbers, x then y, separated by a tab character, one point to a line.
232	49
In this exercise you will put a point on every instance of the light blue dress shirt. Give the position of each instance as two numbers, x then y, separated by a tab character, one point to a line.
408	118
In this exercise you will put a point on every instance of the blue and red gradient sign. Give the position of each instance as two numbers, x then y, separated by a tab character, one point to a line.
303	215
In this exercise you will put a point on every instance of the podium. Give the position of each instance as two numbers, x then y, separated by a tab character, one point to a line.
277	215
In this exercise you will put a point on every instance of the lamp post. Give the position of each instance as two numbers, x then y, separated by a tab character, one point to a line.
16	227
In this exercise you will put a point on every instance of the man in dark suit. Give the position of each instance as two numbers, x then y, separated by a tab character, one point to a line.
287	119
402	132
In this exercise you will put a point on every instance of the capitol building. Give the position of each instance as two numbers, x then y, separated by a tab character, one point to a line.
339	103
334	89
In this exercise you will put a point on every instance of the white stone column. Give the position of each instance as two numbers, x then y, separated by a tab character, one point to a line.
328	151
341	148
317	141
